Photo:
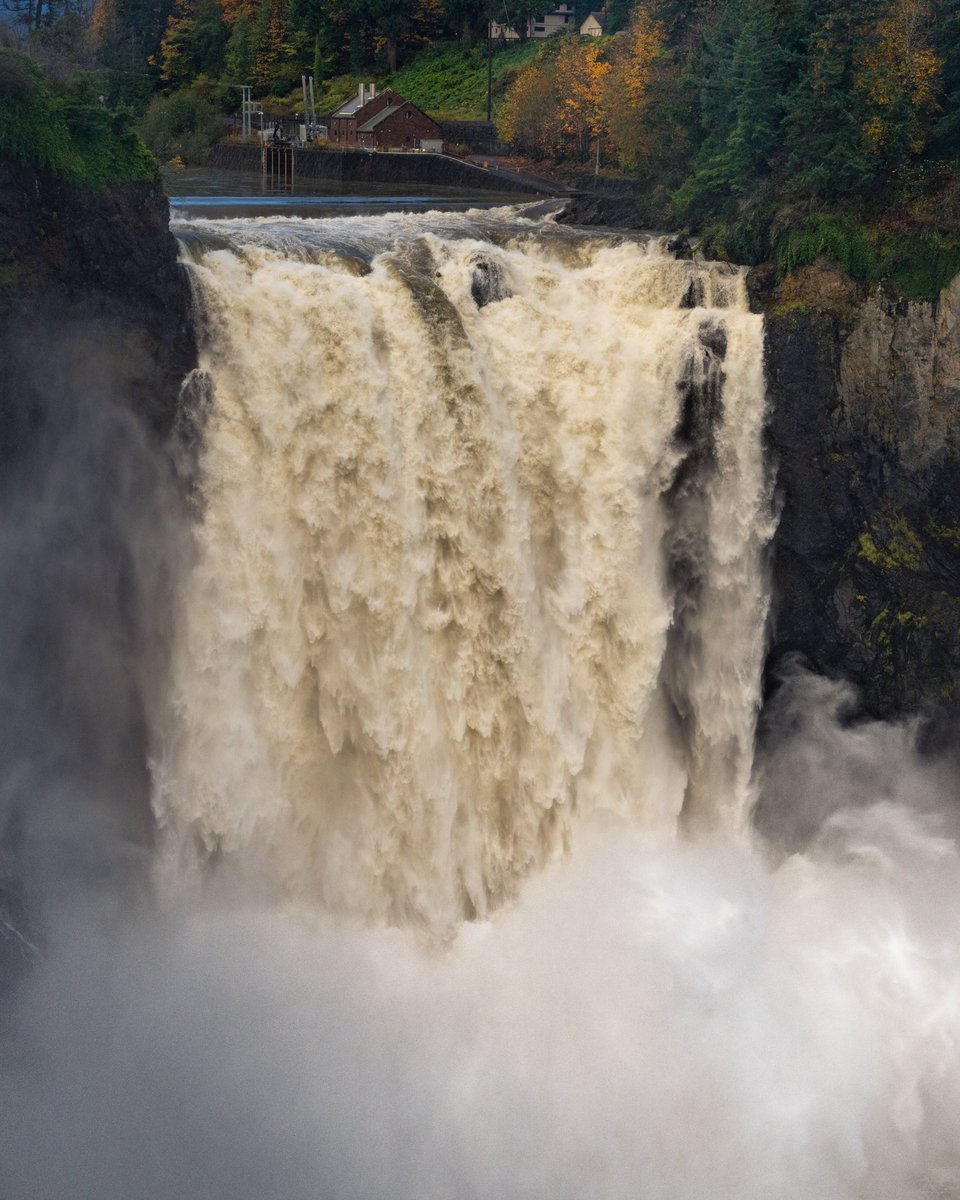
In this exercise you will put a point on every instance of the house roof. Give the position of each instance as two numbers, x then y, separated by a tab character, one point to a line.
369	126
599	17
349	109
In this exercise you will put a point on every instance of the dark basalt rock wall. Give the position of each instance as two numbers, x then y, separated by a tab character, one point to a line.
95	338
865	429
88	280
619	212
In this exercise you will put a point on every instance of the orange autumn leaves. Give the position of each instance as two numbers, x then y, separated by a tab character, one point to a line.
556	103
898	73
585	89
610	88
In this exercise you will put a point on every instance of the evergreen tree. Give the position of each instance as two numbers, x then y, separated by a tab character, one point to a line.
194	43
240	51
827	157
744	69
945	134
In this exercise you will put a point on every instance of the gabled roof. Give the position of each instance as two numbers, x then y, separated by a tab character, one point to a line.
371	125
349	109
599	17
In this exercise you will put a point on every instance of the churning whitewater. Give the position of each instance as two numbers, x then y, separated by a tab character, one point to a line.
466	883
480	553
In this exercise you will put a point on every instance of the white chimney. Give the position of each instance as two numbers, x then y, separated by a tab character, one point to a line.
373	91
361	93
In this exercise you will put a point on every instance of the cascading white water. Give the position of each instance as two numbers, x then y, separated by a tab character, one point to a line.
476	573
480	552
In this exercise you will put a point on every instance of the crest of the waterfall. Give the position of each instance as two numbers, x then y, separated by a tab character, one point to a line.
480	551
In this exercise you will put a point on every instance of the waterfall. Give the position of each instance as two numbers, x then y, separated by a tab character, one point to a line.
479	551
460	886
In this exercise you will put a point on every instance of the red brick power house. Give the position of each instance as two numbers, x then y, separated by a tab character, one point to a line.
375	120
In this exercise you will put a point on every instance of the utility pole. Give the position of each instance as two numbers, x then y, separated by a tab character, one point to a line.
489	67
246	109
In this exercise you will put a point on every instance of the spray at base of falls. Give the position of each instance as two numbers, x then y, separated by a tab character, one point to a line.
483	519
713	1017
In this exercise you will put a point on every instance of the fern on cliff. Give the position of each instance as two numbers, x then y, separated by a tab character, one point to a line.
921	262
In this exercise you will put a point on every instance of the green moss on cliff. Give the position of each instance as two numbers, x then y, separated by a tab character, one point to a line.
828	236
920	262
904	624
66	131
899	550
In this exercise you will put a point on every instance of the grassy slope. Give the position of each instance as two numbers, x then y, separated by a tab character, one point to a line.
449	82
445	80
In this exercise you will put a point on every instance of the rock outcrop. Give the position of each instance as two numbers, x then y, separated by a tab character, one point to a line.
865	427
619	212
95	338
90	288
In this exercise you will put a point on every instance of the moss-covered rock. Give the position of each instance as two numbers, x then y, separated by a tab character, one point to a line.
865	426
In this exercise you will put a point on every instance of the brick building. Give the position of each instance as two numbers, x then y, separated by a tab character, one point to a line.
375	120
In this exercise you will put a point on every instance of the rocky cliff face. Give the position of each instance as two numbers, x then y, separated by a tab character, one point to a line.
865	426
91	291
95	337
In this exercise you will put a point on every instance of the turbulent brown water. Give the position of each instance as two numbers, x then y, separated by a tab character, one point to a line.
467	879
482	558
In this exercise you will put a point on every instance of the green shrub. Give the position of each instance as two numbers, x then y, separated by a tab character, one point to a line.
450	82
62	131
920	263
186	124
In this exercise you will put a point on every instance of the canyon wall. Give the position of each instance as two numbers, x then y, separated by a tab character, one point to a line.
89	281
864	396
95	338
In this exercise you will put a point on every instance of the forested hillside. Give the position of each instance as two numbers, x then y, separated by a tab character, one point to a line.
780	129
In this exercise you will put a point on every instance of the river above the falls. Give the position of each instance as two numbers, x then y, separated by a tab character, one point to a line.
211	193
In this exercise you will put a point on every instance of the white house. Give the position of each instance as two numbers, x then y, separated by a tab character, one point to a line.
595	25
561	18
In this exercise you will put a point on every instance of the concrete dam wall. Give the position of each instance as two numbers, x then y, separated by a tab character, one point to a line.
357	167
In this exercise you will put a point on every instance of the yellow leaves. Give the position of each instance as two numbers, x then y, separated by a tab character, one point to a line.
629	87
578	85
529	117
557	100
897	62
641	45
591	88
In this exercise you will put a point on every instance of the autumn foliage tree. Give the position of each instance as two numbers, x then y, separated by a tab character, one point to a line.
580	78
628	92
898	71
556	104
617	90
529	118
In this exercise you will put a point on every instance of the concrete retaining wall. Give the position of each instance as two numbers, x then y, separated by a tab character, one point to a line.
350	167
